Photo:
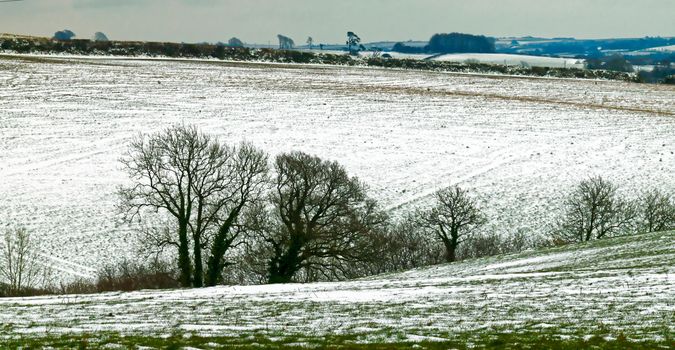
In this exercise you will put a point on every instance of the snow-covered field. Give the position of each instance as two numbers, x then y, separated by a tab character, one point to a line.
622	286
670	48
514	60
393	54
520	143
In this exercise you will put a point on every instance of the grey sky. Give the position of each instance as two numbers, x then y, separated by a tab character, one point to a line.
258	21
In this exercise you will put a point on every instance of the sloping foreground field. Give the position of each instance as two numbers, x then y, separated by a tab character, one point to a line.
621	288
519	143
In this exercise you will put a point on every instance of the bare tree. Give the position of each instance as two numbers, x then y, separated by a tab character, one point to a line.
246	181
320	222
285	43
353	43
310	42
593	211
20	265
199	183
453	218
99	36
657	211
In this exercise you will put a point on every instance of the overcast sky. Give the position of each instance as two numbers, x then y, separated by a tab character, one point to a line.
327	21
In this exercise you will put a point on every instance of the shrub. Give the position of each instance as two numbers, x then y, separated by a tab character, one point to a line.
127	276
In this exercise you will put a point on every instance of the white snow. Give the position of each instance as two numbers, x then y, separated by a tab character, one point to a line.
514	60
670	48
592	284
520	143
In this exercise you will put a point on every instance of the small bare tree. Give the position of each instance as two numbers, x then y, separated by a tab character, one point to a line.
453	218
20	265
353	43
657	211
593	211
285	43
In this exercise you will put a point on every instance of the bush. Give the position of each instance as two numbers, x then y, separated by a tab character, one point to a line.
79	286
403	246
490	244
127	276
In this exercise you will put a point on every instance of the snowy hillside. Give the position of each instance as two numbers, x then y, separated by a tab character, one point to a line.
514	60
622	287
520	143
670	48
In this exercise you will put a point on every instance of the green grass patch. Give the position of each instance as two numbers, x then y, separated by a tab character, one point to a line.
393	341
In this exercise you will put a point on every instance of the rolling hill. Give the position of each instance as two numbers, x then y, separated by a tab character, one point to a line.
519	143
616	292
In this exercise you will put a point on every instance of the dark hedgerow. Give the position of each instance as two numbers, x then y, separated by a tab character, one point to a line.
205	51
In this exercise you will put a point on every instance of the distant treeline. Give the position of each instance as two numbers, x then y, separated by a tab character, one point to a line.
451	43
209	51
663	71
471	67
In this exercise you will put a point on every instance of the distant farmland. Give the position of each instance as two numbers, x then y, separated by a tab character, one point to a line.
520	143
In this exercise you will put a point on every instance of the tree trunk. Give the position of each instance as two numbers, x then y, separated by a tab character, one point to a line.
184	255
450	249
283	268
278	277
198	280
215	264
220	246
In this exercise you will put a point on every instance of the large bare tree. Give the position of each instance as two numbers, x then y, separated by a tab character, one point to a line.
246	183
321	219
594	210
453	218
201	184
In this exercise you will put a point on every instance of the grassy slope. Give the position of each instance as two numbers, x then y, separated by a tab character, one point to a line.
614	293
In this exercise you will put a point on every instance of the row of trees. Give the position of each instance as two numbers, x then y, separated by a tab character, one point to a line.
458	43
212	198
615	63
226	216
67	35
306	219
595	210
